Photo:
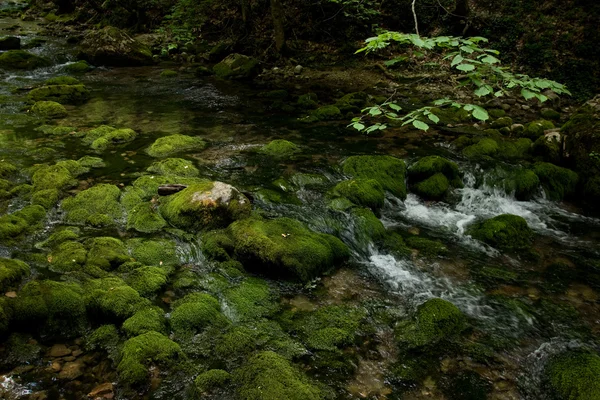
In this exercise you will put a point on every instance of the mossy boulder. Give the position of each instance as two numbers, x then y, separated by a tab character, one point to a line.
535	129
12	272
52	177
168	73
112	299
547	149
144	350
524	183
67	256
502	122
236	66
63	94
169	145
308	101
7	169
62	80
78	67
20	59
363	192
389	171
250	300
146	320
204	206
106	253
482	150
148	280
506	232
49	109
10	43
91	162
14	226
325	113
98	205
435	320
46	198
154	251
331	327
196	312
433	188
280	149
557	182
267	375
211	379
431	165
285	248
174	167
573	375
104	136
143	217
112	46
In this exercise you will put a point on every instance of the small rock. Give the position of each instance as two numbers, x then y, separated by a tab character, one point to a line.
71	371
11	295
59	350
101	391
69	358
298	69
505	107
525	107
56	366
77	353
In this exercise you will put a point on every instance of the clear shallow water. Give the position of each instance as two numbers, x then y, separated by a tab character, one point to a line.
234	118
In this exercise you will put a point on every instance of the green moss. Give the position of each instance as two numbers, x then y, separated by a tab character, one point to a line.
550	114
427	247
285	247
434	187
74	168
195	312
363	192
331	327
62	80
276	197
308	101
105	338
104	136
535	129
11	227
148	348
49	109
154	252
496	113
547	149
431	165
7	169
174	167
147	280
78	67
12	272
168	145
31	214
46	198
63	94
144	218
91	162
435	320
168	73
146	320
388	171
573	375
68	256
102	199
217	245
502	122
557	182
113	299
280	149
59	236
524	183
505	231
327	113
236	66
19	59
250	300
482	149
267	375
352	102
106	253
205	205
368	228
212	379
52	177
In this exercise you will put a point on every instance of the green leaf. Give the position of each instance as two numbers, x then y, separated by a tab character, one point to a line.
457	60
467	49
466	67
433	117
420	125
394	107
541	97
482	91
480	113
375	111
358	126
499	93
527	94
372	128
490	60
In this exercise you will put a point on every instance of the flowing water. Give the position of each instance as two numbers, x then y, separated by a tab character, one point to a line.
517	314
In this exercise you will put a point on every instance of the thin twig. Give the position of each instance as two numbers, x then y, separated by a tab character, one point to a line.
448	12
415	16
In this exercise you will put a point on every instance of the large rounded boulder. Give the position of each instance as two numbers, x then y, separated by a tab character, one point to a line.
114	47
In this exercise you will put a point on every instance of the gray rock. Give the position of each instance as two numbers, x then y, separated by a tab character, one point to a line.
112	46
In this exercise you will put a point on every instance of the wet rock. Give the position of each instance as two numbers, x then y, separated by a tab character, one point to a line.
388	171
206	205
104	390
49	109
298	69
236	66
11	273
78	67
71	370
506	231
59	350
112	46
60	93
19	59
363	192
280	149
168	145
10	43
56	366
574	375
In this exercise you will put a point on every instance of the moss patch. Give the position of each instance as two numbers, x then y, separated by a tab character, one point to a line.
168	145
505	231
12	272
574	375
388	171
90	205
363	192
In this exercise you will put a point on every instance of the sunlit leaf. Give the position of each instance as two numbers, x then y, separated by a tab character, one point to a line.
480	113
433	117
457	60
465	67
527	94
394	107
420	125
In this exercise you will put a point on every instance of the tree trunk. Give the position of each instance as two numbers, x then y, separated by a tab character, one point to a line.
278	24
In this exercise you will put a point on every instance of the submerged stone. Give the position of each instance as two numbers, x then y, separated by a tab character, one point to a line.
236	66
49	109
573	375
168	145
105	136
388	171
203	206
63	94
78	67
280	149
506	231
112	46
285	248
20	59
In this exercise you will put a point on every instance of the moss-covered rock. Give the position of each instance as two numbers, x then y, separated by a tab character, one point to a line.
250	300
144	218
112	46
68	256
573	375
62	80
557	182
211	379
502	122
113	299
267	375
280	149
154	252
331	327
535	129
105	338
435	320
168	145
140	351
20	59
431	165
325	113
49	109
434	187
99	203
427	247
13	226
91	162
78	67
104	136
506	231
363	192
46	198
148	280
7	169
168	73
550	114
52	177
204	206
547	149
106	253
285	248
481	150
12	272
236	66
146	320
63	94
388	171
195	312
352	102
524	183
174	167
308	101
